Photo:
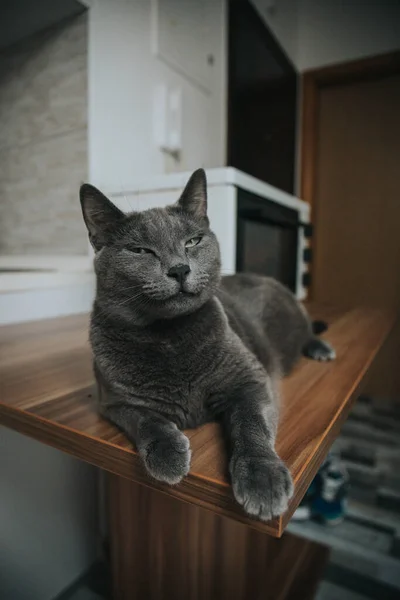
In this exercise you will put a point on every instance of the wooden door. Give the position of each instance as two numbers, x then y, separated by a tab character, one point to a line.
351	176
357	202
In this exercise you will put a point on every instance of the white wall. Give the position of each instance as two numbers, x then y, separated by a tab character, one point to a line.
316	33
48	518
123	74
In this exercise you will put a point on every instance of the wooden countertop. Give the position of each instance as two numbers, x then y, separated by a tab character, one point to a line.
47	392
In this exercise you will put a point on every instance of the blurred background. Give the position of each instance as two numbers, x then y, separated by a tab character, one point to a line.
303	96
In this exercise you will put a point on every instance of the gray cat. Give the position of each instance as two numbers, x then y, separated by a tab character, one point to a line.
175	346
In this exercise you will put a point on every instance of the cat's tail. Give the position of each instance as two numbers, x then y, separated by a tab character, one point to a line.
319	327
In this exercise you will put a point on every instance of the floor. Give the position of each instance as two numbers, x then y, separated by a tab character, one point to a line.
365	548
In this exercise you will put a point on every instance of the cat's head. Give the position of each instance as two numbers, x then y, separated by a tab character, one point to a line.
157	264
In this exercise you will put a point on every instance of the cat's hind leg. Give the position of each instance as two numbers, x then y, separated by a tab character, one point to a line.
318	349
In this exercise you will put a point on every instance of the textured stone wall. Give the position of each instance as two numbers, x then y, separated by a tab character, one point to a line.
43	141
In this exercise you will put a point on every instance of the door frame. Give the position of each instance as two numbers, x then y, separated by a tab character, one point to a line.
312	82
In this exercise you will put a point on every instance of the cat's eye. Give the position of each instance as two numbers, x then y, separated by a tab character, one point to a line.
137	250
193	242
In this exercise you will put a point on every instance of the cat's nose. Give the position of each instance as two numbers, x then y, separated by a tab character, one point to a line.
179	272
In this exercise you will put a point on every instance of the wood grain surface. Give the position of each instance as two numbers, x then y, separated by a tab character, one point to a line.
177	550
47	392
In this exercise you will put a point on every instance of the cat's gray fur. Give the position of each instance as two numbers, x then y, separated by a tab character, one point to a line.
170	355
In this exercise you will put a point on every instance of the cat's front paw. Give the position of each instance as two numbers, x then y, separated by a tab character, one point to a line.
168	457
262	485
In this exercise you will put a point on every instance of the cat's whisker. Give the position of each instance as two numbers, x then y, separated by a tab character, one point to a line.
128	202
132	287
131	299
102	311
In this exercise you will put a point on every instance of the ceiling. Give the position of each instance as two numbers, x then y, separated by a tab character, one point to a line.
22	18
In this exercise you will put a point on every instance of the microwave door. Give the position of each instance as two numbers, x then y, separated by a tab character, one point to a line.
267	247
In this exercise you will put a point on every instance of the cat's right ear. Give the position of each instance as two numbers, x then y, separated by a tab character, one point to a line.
100	215
194	197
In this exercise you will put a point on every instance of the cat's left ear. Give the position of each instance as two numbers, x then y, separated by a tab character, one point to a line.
101	216
194	197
